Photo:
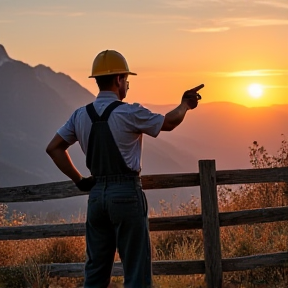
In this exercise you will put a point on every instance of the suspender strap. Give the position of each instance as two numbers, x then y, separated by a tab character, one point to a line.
104	117
92	113
109	109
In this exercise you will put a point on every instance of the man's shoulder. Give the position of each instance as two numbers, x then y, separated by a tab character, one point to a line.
134	107
78	113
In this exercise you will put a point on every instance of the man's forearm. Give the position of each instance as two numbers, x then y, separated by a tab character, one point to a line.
174	117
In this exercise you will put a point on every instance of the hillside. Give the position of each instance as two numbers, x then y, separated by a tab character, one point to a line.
36	101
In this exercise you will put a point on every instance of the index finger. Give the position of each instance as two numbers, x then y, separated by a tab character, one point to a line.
197	88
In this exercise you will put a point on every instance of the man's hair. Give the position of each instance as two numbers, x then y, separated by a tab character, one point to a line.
106	82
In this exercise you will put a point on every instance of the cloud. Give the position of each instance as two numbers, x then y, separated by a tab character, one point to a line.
206	29
222	15
253	73
184	4
253	22
154	18
179	3
273	4
53	12
230	23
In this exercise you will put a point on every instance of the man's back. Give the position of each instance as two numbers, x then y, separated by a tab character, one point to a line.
127	123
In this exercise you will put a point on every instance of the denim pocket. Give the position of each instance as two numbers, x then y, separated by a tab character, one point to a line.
94	210
124	209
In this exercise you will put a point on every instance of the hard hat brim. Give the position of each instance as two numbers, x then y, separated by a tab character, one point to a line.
112	73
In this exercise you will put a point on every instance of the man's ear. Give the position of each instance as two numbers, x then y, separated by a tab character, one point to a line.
117	80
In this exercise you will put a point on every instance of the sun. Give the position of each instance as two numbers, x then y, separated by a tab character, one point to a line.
255	90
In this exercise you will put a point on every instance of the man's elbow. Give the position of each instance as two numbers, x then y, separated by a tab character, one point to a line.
56	144
170	123
167	128
49	150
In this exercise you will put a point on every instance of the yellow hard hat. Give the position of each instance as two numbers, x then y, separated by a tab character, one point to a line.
109	62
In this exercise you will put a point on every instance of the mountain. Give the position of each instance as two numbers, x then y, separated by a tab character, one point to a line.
9	173
30	112
69	90
36	101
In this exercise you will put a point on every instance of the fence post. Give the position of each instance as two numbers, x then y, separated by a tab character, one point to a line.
211	229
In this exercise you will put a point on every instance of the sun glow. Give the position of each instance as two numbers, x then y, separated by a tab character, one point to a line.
255	90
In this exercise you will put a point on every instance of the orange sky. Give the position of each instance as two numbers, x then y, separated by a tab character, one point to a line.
173	45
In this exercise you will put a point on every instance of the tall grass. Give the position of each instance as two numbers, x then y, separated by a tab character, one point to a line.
236	241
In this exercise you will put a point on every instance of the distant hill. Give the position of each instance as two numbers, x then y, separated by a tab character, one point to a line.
36	101
224	131
9	174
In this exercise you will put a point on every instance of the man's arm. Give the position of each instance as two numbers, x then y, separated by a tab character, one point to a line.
57	150
175	117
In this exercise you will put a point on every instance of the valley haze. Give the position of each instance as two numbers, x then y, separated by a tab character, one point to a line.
36	101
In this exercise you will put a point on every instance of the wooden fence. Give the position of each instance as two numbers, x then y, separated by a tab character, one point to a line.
210	221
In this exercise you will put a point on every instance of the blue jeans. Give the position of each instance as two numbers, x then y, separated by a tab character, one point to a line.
117	218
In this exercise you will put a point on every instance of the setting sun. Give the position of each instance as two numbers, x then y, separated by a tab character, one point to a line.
255	90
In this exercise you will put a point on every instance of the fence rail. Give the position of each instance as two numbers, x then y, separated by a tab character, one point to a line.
66	189
209	221
155	224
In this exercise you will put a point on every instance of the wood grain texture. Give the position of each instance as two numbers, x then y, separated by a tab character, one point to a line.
155	224
65	189
211	227
279	259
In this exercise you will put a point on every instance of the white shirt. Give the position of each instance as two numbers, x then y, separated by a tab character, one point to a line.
127	123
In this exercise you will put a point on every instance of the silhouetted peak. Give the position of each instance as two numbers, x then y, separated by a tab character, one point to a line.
42	67
3	55
43	71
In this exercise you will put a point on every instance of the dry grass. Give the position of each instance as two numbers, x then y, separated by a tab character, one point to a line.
236	241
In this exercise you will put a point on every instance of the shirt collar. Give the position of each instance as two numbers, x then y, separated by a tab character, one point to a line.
107	95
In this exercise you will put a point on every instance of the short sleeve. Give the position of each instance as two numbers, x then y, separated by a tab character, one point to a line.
146	121
67	131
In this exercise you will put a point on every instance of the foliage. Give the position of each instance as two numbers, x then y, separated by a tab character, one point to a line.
34	274
236	241
12	277
258	195
245	240
3	212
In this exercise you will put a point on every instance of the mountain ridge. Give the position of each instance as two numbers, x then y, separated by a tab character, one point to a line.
36	101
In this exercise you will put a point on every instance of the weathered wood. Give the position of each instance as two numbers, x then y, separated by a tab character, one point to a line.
253	216
208	178
78	229
175	223
211	228
155	224
264	175
42	231
159	268
65	189
255	261
187	267
40	192
176	267
164	181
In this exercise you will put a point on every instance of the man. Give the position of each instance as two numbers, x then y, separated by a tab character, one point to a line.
109	132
